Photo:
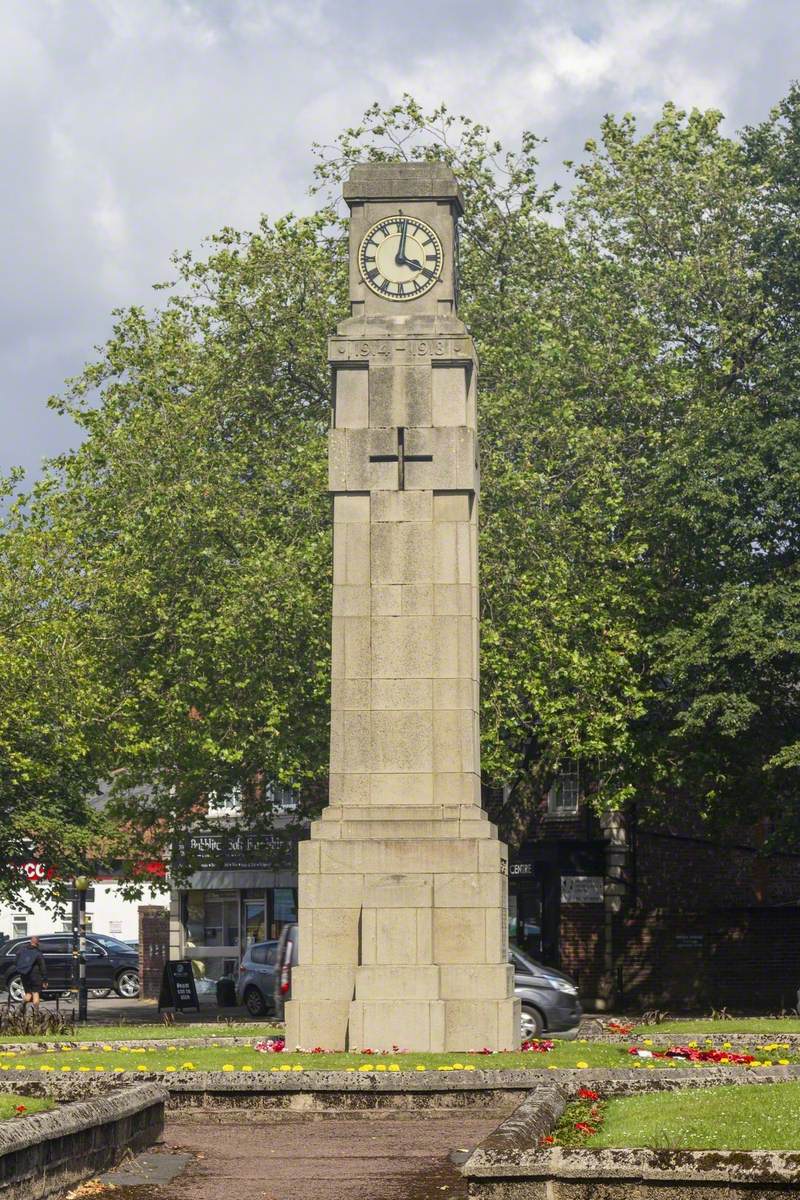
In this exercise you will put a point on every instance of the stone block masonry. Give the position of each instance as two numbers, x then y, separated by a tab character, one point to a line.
403	887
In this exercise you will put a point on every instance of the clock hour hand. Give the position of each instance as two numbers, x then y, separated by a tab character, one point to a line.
411	262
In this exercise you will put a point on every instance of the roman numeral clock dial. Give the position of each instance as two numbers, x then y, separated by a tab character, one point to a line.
400	258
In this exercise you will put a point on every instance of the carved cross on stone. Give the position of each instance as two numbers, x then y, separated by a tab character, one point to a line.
401	458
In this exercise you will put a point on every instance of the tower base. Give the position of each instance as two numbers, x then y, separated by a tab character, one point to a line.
403	936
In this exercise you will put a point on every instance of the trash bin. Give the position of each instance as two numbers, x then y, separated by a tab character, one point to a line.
226	992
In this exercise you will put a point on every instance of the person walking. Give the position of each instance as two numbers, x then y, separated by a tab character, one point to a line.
32	969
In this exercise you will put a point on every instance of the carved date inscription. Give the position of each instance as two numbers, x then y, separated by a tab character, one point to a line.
400	350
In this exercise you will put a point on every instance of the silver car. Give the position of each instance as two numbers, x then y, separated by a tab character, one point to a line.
255	987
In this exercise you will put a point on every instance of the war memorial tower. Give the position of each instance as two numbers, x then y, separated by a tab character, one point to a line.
403	886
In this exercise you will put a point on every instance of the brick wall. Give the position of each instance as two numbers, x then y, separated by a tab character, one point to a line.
690	874
153	948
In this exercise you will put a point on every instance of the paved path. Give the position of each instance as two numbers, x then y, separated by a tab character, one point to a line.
307	1157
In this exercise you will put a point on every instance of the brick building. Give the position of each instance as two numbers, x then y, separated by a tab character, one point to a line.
655	917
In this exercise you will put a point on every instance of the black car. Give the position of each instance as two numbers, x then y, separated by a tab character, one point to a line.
108	965
549	999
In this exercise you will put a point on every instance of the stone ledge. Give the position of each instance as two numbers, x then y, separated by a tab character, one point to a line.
44	1154
512	1163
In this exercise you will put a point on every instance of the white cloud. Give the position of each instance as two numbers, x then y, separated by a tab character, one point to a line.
133	127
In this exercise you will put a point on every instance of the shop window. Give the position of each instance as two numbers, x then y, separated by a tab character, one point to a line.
285	908
254	921
220	919
565	795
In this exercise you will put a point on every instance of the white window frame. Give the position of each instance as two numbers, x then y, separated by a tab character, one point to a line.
565	795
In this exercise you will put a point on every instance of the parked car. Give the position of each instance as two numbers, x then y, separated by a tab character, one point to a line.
550	1004
110	965
255	987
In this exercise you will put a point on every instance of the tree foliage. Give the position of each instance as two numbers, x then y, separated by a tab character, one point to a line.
640	452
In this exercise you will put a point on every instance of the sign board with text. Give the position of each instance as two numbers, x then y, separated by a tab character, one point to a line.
581	889
178	988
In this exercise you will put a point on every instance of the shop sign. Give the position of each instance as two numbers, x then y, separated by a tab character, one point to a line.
520	869
212	850
178	989
581	889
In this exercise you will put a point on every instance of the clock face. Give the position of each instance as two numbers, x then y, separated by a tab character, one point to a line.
400	258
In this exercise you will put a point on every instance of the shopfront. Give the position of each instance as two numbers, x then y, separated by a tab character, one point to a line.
243	891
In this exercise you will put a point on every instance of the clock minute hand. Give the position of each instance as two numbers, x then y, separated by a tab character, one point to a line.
400	257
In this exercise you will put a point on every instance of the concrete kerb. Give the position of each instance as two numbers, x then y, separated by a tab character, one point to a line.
512	1163
43	1154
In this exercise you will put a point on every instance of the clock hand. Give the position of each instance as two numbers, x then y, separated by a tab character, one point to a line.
400	257
411	262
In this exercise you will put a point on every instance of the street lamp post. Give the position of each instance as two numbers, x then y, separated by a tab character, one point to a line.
79	945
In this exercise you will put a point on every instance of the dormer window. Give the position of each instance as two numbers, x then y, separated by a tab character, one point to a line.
564	796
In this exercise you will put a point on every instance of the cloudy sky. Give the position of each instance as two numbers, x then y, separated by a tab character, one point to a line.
131	128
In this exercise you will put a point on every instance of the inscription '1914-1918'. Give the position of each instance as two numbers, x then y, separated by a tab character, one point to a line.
399	350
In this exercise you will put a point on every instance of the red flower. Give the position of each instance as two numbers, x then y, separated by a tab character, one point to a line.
537	1046
588	1094
582	1127
547	1139
20	1109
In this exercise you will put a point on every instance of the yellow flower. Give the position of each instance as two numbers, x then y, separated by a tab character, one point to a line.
767	1062
783	1062
393	1067
647	1042
724	1059
108	1047
365	1067
246	1067
83	1068
380	1066
468	1067
650	1066
66	1068
583	1041
444	1068
726	1045
3	1067
284	1067
187	1066
691	1045
458	1066
346	1069
581	1064
228	1067
99	1068
141	1067
165	1068
46	1068
420	1067
297	1067
124	1050
553	1067
19	1067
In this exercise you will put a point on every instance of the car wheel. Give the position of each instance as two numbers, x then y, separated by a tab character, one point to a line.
16	990
531	1024
127	985
254	1002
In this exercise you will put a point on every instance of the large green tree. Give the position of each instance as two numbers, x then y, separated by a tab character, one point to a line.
640	442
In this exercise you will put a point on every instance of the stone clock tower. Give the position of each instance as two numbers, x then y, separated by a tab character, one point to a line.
403	886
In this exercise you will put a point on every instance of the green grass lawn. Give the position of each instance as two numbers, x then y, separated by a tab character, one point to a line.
146	1033
752	1025
720	1118
160	1057
9	1102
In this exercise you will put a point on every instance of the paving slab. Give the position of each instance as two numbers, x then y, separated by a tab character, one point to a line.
153	1169
340	1157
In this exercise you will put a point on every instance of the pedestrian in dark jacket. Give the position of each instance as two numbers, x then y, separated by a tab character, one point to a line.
32	969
